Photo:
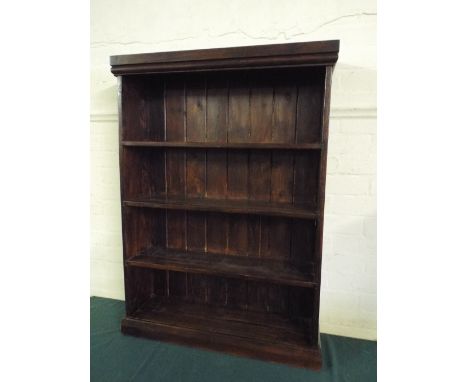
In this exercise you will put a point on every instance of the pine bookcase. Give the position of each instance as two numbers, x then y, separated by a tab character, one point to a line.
223	162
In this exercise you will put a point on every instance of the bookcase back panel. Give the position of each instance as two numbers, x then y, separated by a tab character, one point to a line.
224	234
283	176
254	106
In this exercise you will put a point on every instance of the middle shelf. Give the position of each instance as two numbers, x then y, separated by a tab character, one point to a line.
225	145
253	268
300	211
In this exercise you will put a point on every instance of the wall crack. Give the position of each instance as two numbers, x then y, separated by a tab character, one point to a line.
282	33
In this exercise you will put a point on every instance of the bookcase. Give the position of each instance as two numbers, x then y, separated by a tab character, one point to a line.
223	163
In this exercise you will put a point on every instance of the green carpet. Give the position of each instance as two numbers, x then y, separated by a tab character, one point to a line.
115	357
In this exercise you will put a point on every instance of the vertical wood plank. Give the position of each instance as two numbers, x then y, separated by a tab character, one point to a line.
216	232
197	289
134	109
159	283
310	107
238	171
177	284
175	131
279	238
197	120
216	174
277	299
261	116
261	108
158	228
306	178
238	189
152	173
176	229
284	112
216	108
196	179
217	291
237	296
196	231
239	109
196	132
175	163
282	177
264	249
196	175
196	109
175	109
154	104
130	168
253	235
302	241
146	174
260	175
238	235
258	296
216	160
301	304
130	232
176	175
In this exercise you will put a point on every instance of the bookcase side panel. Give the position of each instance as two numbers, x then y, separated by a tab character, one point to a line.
321	199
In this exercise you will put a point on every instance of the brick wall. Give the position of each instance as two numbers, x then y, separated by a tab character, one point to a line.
349	258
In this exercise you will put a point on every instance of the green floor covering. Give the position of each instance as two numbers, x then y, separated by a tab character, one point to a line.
115	357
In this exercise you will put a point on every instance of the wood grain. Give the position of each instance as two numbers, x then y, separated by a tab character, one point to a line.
223	167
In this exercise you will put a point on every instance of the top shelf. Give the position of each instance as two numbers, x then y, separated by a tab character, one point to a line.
223	145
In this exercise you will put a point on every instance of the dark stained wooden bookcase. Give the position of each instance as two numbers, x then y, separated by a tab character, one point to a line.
223	162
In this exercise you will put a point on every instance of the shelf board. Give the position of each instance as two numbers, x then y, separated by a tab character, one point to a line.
221	145
243	267
227	206
267	336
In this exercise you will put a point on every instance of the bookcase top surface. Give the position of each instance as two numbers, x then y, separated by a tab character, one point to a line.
290	54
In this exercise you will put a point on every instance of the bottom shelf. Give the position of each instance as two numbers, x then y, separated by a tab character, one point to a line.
265	336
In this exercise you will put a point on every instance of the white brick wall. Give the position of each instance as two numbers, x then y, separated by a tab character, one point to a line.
349	258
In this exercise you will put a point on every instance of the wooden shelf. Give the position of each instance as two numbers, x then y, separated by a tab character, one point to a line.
260	335
252	268
221	145
226	206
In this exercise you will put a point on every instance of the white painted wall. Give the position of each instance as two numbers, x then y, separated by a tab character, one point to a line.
135	26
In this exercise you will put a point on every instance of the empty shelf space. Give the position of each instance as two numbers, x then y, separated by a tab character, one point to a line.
253	268
227	206
225	145
239	325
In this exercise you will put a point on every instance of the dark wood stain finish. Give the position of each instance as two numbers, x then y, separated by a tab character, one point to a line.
223	166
